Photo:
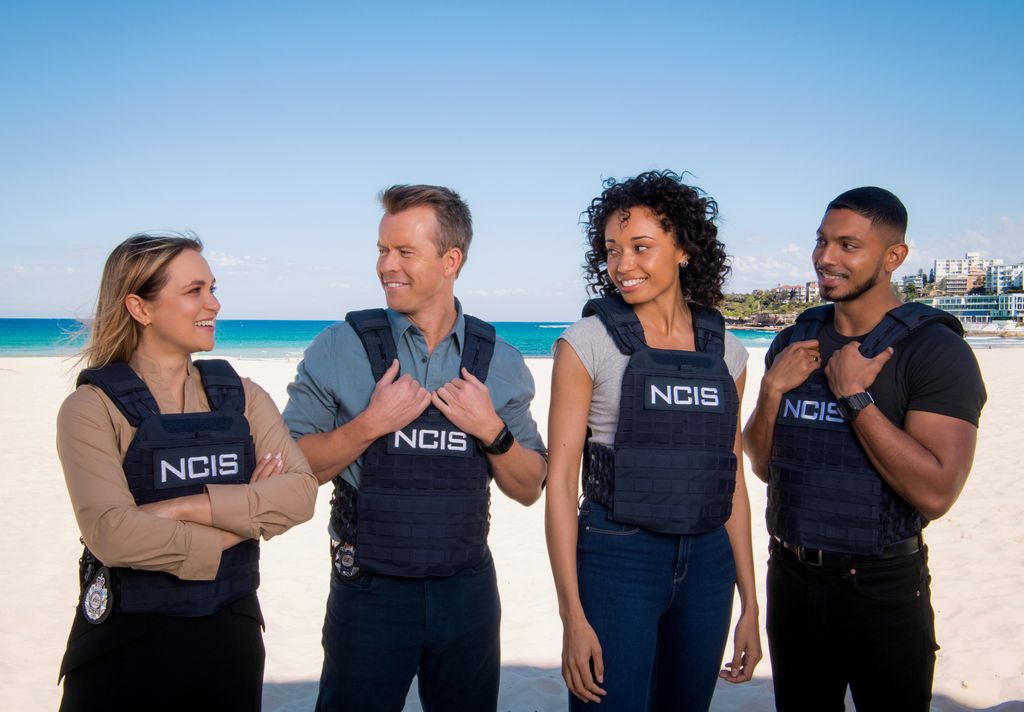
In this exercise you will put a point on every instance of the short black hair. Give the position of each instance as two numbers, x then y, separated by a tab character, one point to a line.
878	205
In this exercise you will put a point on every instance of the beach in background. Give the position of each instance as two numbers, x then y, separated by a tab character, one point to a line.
977	568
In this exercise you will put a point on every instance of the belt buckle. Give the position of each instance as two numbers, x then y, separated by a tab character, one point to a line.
801	555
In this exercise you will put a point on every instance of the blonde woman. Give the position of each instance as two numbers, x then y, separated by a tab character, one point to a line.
175	470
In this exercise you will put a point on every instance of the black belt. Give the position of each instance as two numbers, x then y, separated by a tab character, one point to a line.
820	557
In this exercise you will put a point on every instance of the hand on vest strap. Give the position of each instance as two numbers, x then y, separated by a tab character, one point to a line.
466	402
849	372
792	367
396	401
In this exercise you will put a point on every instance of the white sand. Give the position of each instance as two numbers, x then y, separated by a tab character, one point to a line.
977	565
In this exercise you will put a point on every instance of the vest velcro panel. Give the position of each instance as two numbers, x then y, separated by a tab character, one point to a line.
422	508
673	467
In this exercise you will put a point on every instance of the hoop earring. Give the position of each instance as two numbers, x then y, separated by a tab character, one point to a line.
684	263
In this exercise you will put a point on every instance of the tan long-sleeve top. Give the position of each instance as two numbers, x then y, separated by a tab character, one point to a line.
92	439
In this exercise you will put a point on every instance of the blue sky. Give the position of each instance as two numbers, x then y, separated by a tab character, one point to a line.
269	130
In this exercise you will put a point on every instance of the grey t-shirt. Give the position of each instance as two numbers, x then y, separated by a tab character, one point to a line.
606	365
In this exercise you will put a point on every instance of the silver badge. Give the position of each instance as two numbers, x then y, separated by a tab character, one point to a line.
98	600
345	560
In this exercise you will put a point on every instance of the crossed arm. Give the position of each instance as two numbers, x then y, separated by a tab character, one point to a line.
183	536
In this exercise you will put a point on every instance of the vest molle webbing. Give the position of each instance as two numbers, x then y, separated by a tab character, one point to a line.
422	508
823	491
673	468
173	455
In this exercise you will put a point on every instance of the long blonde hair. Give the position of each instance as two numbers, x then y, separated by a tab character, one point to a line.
136	266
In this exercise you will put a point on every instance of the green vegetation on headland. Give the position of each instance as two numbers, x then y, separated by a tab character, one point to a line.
761	309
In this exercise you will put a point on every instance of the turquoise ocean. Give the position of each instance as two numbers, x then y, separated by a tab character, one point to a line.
279	339
272	339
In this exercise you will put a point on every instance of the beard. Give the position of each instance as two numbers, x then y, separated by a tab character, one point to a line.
833	294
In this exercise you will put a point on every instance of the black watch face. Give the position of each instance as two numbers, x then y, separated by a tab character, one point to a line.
844	409
850	406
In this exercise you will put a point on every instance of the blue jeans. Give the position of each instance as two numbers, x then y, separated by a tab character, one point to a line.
381	631
660	605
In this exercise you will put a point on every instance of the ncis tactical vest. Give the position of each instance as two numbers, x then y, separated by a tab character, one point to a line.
422	507
173	455
823	491
673	468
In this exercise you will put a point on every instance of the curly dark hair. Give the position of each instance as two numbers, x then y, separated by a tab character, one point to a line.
686	212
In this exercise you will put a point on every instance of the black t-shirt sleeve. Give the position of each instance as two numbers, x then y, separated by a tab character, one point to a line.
942	375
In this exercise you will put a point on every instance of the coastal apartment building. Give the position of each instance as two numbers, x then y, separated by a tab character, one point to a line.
1004	278
976	311
971	263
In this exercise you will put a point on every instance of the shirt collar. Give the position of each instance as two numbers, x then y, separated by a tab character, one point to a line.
400	323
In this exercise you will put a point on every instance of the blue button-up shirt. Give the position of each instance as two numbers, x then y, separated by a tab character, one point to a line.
334	382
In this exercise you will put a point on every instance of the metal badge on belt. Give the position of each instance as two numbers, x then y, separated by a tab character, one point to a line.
345	560
98	601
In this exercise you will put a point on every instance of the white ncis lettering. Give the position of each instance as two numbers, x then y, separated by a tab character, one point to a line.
812	410
422	439
200	466
685	395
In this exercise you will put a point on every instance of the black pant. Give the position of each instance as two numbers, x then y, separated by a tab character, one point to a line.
153	662
868	625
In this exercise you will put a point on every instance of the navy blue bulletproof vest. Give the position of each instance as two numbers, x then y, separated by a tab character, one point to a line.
673	468
174	455
422	508
823	491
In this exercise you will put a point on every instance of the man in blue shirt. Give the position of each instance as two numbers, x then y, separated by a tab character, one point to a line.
413	588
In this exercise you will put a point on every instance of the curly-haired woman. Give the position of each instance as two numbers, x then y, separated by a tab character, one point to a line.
646	391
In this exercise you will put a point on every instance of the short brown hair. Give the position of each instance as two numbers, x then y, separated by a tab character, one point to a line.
455	223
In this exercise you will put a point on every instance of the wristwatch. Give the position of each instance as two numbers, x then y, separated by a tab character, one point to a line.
501	444
851	406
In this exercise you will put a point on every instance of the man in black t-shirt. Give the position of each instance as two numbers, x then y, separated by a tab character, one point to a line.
864	430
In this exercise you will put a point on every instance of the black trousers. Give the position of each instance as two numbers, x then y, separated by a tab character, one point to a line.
868	625
154	662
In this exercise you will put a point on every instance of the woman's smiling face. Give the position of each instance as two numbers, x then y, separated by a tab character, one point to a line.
182	316
643	258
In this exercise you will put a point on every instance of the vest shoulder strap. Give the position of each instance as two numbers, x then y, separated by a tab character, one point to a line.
124	387
222	384
620	321
374	330
900	322
479	347
708	330
809	323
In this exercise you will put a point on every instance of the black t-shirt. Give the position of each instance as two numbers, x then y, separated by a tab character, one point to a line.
932	370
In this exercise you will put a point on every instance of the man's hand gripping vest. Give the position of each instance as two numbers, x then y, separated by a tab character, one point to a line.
422	507
823	491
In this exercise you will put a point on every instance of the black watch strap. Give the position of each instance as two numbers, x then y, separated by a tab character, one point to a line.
851	406
502	443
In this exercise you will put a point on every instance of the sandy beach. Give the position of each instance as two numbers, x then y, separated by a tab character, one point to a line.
977	567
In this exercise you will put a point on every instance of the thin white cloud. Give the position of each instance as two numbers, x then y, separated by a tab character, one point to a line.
41	270
507	292
224	259
751	272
